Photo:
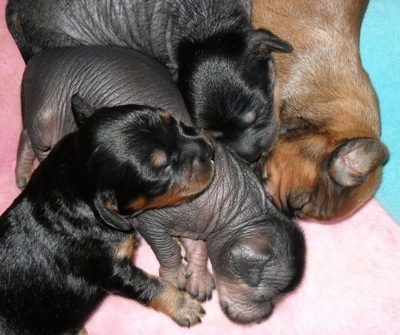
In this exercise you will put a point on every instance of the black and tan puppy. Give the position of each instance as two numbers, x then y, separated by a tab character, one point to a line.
67	240
222	66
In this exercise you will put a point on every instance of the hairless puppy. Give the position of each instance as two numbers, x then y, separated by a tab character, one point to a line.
223	67
256	252
93	72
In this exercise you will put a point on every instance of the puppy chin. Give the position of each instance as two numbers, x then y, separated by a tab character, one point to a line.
245	312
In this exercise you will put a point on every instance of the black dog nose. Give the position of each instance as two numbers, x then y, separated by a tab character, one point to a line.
250	155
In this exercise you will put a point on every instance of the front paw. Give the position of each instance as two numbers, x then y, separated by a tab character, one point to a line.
200	285
176	276
179	306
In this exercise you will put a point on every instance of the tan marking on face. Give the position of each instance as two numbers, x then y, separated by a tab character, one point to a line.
167	117
158	158
174	197
191	185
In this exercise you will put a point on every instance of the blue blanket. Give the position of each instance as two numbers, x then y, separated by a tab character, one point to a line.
380	54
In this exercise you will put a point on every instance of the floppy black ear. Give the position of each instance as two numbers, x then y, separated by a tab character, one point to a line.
262	39
354	160
106	208
81	110
249	256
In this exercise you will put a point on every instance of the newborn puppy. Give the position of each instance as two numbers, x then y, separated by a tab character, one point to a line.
67	240
256	253
328	158
91	71
232	207
222	66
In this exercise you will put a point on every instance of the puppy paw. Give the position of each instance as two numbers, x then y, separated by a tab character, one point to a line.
200	285
179	306
176	276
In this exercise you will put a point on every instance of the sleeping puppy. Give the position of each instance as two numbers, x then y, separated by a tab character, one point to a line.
328	158
223	67
67	240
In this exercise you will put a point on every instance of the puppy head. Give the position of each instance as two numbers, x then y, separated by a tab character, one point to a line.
257	268
135	157
228	82
312	178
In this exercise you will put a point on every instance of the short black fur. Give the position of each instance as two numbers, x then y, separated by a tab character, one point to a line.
60	253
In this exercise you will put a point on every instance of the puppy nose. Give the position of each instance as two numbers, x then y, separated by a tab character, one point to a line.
197	151
251	156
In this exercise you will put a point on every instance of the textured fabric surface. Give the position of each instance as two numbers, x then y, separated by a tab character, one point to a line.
351	284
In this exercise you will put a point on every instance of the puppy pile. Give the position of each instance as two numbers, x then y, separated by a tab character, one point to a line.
144	117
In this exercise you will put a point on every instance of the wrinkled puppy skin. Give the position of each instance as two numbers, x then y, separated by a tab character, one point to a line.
90	72
257	253
232	205
222	66
67	240
328	158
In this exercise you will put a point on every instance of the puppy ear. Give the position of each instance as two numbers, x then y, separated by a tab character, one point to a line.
354	160
264	40
246	5
106	208
249	256
81	110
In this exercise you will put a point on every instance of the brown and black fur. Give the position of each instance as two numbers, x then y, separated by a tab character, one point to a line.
67	240
328	157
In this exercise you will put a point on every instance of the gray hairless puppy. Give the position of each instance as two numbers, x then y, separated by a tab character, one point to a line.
51	79
256	252
223	67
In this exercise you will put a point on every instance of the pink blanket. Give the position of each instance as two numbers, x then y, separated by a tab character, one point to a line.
352	279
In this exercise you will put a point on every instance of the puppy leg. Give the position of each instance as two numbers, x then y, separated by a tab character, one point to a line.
168	253
132	282
199	282
25	157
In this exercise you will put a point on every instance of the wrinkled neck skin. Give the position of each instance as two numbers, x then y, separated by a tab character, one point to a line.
233	200
325	40
155	27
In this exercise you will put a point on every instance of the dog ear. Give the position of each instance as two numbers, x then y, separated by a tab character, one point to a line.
354	160
106	208
249	256
81	110
246	5
264	40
